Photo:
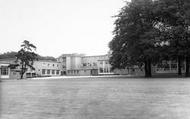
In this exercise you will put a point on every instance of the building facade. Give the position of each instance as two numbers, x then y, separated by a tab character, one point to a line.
42	68
45	68
6	72
79	64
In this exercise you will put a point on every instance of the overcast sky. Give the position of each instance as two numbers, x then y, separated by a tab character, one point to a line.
58	26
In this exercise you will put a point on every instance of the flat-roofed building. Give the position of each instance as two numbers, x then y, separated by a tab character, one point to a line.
46	68
42	68
79	64
100	62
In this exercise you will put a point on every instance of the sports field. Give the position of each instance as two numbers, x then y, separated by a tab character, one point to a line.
96	98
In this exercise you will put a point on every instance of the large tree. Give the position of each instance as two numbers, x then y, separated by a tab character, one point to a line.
26	56
135	36
175	15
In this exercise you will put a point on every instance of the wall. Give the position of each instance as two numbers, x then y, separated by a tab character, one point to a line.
47	66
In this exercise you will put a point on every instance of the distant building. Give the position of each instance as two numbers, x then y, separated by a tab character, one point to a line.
6	72
79	64
46	68
42	68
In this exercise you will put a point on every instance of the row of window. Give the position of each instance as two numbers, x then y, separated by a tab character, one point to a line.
95	64
89	64
73	71
106	62
50	71
44	64
104	70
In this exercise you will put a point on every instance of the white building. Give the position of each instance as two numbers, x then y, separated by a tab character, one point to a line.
79	64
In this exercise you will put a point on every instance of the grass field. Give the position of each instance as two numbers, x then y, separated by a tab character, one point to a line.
96	98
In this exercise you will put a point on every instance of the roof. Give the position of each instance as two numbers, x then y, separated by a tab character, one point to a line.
7	60
72	55
96	56
47	61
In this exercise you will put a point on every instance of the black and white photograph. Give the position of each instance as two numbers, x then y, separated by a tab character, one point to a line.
94	59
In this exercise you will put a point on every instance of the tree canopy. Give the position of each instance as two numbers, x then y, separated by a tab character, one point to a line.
26	56
147	31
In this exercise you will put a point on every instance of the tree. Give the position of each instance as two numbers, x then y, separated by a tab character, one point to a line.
135	36
175	14
26	56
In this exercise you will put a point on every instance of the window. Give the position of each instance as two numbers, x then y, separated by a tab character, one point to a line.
101	70
53	71
57	72
48	71
43	71
4	70
28	75
53	65
84	64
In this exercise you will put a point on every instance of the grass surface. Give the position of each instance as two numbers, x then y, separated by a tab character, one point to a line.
96	98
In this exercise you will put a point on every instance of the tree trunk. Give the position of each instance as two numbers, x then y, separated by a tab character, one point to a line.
21	73
148	68
179	66
187	67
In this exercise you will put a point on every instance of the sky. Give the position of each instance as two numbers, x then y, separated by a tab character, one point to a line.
58	27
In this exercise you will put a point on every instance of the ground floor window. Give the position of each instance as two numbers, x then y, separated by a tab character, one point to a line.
53	71
28	75
57	72
101	70
48	71
43	71
4	70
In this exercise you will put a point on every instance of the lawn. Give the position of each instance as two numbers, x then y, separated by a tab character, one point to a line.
96	98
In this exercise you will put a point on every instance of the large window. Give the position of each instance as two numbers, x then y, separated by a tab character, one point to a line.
101	70
4	70
48	71
53	71
43	71
57	72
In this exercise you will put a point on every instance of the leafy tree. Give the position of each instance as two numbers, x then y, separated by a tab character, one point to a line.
26	56
175	15
135	36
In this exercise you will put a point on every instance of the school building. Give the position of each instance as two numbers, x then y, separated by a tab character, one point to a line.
42	68
81	65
